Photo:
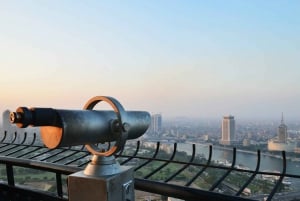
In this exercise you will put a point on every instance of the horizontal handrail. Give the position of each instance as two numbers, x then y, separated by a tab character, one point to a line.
65	161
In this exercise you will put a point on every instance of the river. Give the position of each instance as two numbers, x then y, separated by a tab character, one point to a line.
248	159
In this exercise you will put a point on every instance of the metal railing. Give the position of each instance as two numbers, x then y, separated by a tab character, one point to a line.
64	161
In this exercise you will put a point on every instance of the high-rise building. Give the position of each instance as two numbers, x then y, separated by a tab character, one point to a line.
281	142
228	130
156	123
282	131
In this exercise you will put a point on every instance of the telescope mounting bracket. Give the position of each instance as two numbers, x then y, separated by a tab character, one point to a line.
120	129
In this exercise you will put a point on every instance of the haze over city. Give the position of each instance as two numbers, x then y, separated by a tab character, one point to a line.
200	59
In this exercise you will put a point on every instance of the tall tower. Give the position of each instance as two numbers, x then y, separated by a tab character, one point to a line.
281	142
228	130
156	123
282	131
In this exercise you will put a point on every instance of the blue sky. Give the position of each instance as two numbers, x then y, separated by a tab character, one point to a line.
181	58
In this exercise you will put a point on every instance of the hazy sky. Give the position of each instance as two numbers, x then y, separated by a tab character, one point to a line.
180	58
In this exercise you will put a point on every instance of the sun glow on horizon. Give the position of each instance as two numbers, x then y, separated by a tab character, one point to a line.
197	58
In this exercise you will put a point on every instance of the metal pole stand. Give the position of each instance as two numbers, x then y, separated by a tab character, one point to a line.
102	180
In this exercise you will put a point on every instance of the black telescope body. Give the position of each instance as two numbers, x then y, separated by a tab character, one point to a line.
62	128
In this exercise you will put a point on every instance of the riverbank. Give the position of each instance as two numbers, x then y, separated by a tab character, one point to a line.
246	158
277	155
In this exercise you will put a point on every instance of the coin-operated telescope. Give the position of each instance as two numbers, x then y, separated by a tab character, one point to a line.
103	179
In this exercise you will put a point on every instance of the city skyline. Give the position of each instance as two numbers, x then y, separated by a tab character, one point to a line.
197	59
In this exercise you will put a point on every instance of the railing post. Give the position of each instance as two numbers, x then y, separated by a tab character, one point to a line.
59	185
10	180
10	175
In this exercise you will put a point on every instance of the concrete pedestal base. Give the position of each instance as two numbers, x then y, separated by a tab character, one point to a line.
117	187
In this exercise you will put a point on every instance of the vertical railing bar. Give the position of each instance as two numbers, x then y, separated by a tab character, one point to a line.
163	165
34	150
10	175
4	145
4	136
61	151
252	176
10	180
76	159
64	157
203	169
227	173
24	138
42	153
10	148
59	185
33	139
150	159
280	178
82	147
185	166
135	153
15	137
183	193
82	164
25	147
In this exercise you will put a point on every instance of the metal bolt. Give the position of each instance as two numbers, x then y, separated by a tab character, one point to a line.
126	127
115	125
